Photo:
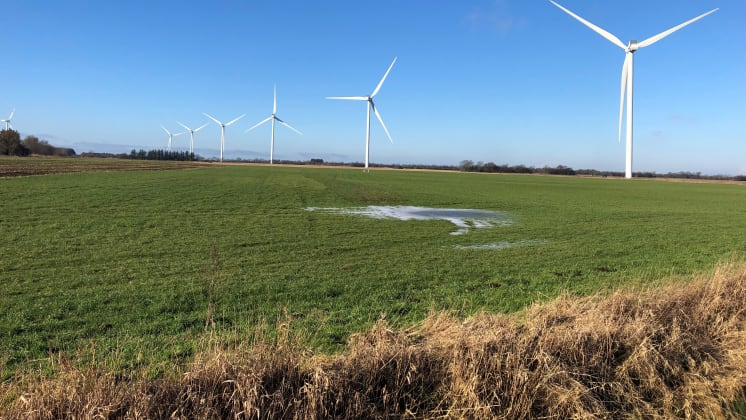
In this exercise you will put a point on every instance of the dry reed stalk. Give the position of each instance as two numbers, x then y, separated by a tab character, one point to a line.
673	352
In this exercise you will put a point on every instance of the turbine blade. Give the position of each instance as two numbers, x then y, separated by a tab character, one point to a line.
625	70
166	130
11	114
375	110
288	126
201	127
259	123
656	38
382	79
598	30
188	129
274	104
234	120
213	118
349	98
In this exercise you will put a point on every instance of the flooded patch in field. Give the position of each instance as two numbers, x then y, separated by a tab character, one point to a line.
502	245
464	219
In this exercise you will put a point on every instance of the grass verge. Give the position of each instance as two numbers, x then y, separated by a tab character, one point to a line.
674	351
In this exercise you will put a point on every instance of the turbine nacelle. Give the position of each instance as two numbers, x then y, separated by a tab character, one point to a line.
633	46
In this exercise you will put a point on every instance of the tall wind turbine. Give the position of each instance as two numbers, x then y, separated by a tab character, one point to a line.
627	72
170	136
273	118
372	106
7	120
191	134
222	130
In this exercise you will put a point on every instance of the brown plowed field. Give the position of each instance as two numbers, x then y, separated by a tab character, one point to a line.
27	166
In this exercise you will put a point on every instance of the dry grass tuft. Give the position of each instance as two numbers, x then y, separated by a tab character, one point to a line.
677	352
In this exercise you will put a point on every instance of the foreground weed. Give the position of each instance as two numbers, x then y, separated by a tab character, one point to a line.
213	276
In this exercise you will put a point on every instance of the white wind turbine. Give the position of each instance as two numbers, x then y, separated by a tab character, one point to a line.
171	136
273	118
372	106
8	126
191	134
627	72
222	130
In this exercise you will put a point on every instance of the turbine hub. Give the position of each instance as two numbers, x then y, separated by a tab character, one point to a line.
632	47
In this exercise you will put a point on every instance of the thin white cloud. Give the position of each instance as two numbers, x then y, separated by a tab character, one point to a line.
495	18
682	118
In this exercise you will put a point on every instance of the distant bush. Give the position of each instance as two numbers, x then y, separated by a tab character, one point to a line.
43	148
64	151
10	144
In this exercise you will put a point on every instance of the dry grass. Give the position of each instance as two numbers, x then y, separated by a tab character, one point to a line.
675	352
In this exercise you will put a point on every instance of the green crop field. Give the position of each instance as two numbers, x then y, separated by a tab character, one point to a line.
135	263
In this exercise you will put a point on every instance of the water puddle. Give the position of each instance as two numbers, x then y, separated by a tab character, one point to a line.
502	245
464	219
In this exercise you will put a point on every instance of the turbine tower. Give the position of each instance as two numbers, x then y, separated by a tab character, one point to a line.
372	106
171	136
191	135
222	130
627	72
273	118
8	126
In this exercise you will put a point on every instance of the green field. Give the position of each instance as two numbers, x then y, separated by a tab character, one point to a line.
129	262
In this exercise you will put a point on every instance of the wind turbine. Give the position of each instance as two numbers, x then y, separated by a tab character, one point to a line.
170	136
627	72
7	121
372	106
273	118
222	130
191	134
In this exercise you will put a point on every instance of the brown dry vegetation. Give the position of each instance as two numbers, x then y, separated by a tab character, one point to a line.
678	352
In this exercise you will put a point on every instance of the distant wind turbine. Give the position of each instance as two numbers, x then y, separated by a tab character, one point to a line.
170	136
222	130
191	135
273	118
372	106
8	126
627	69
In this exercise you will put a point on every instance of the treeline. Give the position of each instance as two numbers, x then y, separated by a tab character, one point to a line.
11	145
159	154
490	167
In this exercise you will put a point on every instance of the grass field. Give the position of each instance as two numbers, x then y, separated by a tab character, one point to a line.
135	263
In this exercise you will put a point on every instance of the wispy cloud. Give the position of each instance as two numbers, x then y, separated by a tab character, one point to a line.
681	118
496	17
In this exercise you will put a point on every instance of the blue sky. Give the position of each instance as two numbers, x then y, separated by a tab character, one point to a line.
508	81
